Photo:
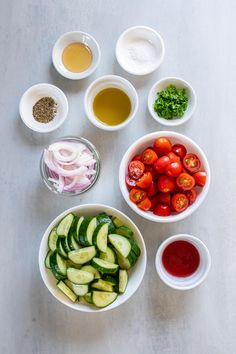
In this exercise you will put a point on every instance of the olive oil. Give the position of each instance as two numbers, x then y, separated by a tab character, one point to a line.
77	57
112	106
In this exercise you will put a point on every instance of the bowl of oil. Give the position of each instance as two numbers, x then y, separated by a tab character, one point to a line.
76	55
111	102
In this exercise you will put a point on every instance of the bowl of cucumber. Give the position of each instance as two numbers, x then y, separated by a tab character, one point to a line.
92	258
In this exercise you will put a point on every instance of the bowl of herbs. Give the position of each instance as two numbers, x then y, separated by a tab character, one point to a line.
172	101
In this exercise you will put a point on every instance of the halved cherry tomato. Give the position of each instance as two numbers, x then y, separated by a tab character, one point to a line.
136	169
162	210
200	178
154	201
164	198
145	204
173	157
179	202
179	150
162	146
149	156
191	195
174	169
191	163
161	164
145	180
137	158
152	189
131	183
151	169
185	181
137	195
166	183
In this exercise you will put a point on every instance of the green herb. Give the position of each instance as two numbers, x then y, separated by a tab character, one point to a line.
45	110
171	103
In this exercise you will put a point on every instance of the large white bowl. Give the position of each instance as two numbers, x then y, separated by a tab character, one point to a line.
147	140
135	274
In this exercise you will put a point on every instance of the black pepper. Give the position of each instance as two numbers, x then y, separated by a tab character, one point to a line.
45	110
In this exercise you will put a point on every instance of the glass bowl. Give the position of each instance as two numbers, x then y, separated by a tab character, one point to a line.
45	171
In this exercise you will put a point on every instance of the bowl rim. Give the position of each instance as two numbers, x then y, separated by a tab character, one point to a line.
174	122
148	215
76	208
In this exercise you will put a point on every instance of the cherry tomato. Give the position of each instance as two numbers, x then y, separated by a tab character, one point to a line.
145	204
137	158
137	195
179	150
200	178
154	201
173	157
185	181
149	156
164	198
179	202
145	180
162	146
191	195
166	183
191	163
152	189
136	169
149	168
131	183
161	164
174	169
162	210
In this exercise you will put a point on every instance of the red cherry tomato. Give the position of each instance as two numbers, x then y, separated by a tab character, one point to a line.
154	201
136	169
191	163
145	180
166	183
137	195
137	158
164	198
174	169
179	150
191	195
162	146
162	210
185	181
200	178
152	189
130	183
173	157
161	164
151	169
149	156
179	202
145	204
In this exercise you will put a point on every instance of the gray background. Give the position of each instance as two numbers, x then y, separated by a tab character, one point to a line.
200	47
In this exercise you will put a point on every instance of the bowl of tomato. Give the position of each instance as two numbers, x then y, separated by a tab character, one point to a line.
164	176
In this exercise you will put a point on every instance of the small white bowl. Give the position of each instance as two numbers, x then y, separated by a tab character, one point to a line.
135	42
190	282
110	81
63	42
162	85
35	93
147	140
135	274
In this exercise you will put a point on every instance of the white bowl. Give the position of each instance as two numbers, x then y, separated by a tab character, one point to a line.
147	140
63	42
135	274
140	50
190	282
110	81
162	85
35	93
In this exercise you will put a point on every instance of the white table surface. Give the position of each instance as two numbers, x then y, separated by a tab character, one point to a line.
200	47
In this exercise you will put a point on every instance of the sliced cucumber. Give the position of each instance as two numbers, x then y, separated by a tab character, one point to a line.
123	262
65	245
60	248
47	260
100	236
117	222
64	225
70	264
86	231
121	244
104	218
102	285
52	240
78	289
108	256
135	248
110	279
81	219
91	269
104	267
78	276
88	298
83	255
58	266
123	280
72	243
124	231
67	291
102	298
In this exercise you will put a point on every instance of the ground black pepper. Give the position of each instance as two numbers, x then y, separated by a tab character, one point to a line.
45	110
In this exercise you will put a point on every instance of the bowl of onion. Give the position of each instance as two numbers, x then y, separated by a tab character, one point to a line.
70	166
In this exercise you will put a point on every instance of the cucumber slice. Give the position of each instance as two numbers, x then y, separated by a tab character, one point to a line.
123	262
65	245
102	285
70	264
88	298
60	248
58	266
104	218
67	291
78	276
121	244
117	222
47	259
81	219
110	279
52	240
100	236
104	267
83	255
90	269
108	256
64	225
135	248
124	231
123	280
78	289
72	243
102	298
86	231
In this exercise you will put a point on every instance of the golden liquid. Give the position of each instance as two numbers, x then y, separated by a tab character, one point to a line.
77	57
112	106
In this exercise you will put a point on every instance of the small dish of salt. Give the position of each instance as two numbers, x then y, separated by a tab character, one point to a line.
140	50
